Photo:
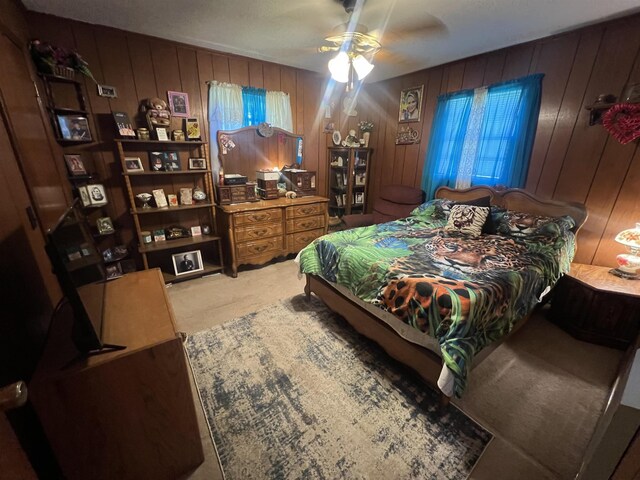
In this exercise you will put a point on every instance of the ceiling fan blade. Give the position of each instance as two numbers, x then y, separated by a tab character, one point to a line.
423	28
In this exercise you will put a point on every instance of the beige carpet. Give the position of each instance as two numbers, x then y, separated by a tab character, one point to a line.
540	393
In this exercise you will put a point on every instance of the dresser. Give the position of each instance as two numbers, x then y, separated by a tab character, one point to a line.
257	232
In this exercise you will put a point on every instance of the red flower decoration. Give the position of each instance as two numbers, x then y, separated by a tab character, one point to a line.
622	121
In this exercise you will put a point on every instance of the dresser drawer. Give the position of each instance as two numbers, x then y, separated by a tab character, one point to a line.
305	223
256	232
306	210
297	241
246	251
258	216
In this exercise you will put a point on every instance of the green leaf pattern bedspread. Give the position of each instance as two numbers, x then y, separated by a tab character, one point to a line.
464	291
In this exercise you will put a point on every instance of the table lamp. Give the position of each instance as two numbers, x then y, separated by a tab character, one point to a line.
629	263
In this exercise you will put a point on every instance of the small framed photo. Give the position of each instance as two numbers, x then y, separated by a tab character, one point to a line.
159	197
178	104
84	196
186	196
196	231
133	164
107	91
159	236
187	262
114	270
359	197
192	128
105	226
361	178
410	104
156	161
161	134
75	165
73	127
172	200
171	162
97	194
197	164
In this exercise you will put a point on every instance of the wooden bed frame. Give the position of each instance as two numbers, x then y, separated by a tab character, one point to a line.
367	322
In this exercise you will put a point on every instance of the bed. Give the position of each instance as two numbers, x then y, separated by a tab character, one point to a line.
439	300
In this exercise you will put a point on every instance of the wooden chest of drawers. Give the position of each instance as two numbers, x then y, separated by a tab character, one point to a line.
255	233
228	194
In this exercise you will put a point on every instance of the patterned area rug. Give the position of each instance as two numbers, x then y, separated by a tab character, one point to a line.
291	391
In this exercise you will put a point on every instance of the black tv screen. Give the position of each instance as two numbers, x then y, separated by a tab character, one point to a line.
81	272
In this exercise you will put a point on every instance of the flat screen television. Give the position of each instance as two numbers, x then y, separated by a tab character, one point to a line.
81	272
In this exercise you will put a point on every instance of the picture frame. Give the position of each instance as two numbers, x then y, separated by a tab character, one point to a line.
156	161
196	231
411	104
178	104
97	194
133	164
197	164
159	197
83	193
185	263
124	125
192	128
105	226
74	128
359	197
107	91
171	162
161	134
113	270
336	137
75	165
186	196
172	200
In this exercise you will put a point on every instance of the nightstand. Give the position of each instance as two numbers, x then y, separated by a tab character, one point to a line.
597	307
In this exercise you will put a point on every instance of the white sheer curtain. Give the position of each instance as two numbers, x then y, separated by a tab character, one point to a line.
279	110
225	113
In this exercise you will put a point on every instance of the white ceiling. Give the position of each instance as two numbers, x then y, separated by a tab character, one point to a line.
415	34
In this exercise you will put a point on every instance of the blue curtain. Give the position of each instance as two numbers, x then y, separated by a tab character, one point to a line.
507	132
254	102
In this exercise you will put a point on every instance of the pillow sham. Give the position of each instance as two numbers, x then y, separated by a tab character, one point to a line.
521	224
488	226
467	219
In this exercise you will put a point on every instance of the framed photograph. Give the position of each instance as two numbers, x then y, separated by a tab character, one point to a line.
410	104
360	178
192	128
84	196
196	231
159	197
172	200
186	196
73	127
178	104
97	194
187	262
156	161
105	226
336	137
171	161
197	164
75	165
114	270
133	164
124	125
161	134
359	197
159	236
107	91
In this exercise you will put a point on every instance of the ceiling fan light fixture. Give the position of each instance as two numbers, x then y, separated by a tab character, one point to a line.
339	67
362	66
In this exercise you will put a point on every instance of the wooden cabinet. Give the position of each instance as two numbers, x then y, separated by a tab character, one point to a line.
147	220
348	180
597	307
127	413
255	233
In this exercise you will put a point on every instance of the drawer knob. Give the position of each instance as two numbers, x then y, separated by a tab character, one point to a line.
260	217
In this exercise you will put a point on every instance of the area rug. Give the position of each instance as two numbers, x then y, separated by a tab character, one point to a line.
291	391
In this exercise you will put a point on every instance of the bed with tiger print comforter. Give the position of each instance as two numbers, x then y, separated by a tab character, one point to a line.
465	292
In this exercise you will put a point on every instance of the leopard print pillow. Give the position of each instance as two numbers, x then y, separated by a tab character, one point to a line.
467	219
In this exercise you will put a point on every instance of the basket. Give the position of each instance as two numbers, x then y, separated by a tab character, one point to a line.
65	72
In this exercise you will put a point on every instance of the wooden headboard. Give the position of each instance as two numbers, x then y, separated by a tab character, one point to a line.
519	200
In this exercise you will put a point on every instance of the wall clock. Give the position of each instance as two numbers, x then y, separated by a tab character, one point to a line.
265	130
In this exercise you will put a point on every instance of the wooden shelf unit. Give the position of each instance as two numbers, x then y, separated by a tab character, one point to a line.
348	179
159	254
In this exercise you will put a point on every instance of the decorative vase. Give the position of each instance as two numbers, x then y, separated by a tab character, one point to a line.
365	137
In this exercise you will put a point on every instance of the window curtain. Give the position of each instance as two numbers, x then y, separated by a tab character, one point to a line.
278	110
483	136
254	106
225	113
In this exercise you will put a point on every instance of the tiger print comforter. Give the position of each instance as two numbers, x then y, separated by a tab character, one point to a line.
464	291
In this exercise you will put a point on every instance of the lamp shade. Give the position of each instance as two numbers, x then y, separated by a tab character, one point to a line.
362	66
629	263
630	237
339	67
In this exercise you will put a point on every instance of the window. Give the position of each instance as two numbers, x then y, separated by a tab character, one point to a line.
483	136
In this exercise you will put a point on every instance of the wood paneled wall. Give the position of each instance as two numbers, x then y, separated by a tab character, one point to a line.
571	160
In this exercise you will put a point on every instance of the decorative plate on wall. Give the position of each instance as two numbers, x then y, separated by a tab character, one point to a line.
336	137
265	129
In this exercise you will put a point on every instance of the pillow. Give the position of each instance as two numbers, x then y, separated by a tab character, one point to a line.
489	226
467	219
521	224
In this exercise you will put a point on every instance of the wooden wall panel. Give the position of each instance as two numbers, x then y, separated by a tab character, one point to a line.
570	160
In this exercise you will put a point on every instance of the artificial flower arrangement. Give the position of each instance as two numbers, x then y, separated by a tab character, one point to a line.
57	60
365	125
